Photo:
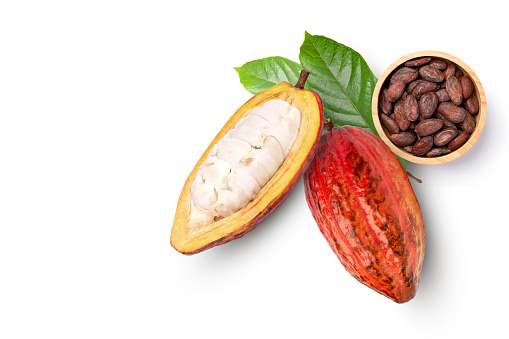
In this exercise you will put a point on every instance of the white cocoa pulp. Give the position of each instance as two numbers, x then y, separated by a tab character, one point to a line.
243	161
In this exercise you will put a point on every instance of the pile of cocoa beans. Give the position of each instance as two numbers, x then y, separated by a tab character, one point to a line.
428	107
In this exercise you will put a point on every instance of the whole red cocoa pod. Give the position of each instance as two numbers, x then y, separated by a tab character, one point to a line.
364	205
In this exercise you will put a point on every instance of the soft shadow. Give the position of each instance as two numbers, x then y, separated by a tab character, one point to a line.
241	249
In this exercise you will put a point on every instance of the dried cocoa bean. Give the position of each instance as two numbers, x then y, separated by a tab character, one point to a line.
423	87
450	70
390	124
471	104
459	73
445	136
408	148
403	138
453	86
442	95
439	64
385	104
458	141
417	62
452	112
405	74
395	90
428	104
447	123
467	86
435	152
399	115
431	73
468	124
412	85
428	127
411	108
422	146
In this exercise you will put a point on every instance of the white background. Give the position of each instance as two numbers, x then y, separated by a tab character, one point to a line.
105	106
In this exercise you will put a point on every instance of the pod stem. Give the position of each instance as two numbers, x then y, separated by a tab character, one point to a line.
412	176
302	79
329	124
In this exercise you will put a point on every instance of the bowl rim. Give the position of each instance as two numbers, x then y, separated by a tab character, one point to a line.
480	117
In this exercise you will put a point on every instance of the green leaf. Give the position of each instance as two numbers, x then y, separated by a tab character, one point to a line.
342	79
258	75
338	74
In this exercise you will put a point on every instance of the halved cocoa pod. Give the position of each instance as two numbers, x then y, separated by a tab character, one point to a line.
363	203
458	141
467	86
405	74
452	112
189	239
428	104
453	86
471	104
403	138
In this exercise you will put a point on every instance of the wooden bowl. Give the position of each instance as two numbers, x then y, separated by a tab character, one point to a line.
480	117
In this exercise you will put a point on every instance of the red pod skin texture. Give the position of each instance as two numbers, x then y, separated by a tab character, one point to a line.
365	207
